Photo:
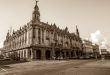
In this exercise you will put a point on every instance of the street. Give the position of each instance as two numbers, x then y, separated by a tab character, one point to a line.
62	67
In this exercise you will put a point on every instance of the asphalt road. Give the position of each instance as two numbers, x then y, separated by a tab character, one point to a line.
70	67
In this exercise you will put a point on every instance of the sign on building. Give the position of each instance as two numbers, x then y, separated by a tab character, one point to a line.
103	51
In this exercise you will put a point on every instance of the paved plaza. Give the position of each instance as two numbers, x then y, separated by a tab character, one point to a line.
62	67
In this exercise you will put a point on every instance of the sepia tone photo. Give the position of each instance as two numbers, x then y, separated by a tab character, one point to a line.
54	37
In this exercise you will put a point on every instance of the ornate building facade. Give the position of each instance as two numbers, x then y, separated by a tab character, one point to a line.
87	48
39	40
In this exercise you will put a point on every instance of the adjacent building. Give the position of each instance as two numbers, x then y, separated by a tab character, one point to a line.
90	50
39	40
87	48
103	51
96	51
1	51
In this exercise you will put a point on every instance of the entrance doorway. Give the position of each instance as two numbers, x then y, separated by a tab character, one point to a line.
57	54
48	54
38	54
67	54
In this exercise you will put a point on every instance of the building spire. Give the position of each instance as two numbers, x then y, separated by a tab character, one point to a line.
36	13
77	31
36	6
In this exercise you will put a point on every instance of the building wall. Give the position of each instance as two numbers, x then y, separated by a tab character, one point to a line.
38	39
87	48
90	49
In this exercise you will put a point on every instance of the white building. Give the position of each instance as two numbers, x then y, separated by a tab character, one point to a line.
39	40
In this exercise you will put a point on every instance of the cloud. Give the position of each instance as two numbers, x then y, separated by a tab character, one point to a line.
98	38
1	44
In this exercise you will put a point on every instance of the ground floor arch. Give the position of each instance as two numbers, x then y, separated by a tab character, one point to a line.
48	54
38	54
57	54
72	54
67	54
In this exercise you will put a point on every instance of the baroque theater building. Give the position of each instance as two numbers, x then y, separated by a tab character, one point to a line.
39	40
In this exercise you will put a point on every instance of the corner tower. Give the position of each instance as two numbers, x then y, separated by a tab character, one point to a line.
36	14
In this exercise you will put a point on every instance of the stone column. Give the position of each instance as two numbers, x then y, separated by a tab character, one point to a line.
43	54
32	53
26	53
23	53
65	57
69	54
53	53
20	54
61	55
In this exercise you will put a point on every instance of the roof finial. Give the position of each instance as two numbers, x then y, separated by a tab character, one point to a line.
36	6
36	1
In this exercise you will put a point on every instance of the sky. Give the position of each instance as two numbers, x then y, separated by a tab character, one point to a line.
90	15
